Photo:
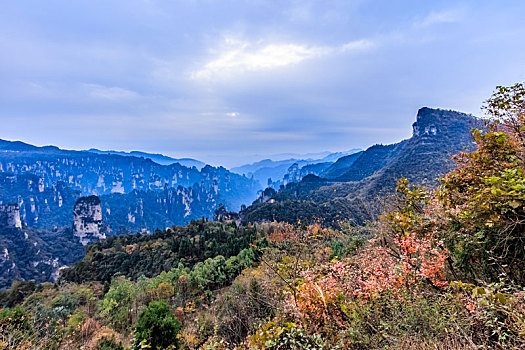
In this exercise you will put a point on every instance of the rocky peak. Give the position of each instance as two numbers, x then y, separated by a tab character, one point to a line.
10	216
87	220
222	215
431	121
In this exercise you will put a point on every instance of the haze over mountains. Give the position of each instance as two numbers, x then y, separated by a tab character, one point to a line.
350	189
157	158
42	179
44	188
269	172
262	175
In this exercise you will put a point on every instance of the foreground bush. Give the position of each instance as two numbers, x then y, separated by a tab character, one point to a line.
157	327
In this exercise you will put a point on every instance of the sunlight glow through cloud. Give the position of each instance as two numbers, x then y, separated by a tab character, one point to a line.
226	81
241	56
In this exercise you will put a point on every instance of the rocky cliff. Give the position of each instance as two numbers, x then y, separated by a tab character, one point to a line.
39	205
87	220
10	216
27	253
100	174
47	181
356	193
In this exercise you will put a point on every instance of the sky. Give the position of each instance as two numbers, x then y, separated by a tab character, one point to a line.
231	81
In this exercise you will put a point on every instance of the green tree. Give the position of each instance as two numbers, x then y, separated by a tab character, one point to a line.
157	327
117	302
485	196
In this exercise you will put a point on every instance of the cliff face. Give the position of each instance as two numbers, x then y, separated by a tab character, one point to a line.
103	174
27	253
10	216
47	181
437	135
39	205
87	220
148	210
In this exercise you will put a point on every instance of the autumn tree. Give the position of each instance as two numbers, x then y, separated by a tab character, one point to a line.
485	196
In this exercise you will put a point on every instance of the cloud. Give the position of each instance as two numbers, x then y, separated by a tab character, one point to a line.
112	93
447	16
241	56
358	45
241	77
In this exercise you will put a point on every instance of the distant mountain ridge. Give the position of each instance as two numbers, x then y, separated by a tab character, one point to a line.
275	170
46	181
340	166
371	160
350	190
156	157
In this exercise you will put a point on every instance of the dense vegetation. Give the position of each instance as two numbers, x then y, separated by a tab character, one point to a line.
440	269
32	254
150	254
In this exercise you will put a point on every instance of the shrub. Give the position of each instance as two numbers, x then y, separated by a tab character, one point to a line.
157	327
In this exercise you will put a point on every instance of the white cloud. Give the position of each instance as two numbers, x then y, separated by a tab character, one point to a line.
112	93
448	16
356	46
241	56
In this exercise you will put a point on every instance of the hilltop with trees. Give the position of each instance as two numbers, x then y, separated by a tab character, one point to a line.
441	268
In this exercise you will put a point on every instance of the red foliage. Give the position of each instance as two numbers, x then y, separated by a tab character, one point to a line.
413	264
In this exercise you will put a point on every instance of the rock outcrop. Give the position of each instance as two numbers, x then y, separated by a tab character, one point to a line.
87	220
357	193
10	216
222	215
47	181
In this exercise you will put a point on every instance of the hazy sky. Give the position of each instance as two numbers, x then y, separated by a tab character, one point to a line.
228	81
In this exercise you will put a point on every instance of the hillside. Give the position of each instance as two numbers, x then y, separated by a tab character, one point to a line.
437	135
340	166
149	255
31	254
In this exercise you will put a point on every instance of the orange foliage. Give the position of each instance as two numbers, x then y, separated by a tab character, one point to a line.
412	264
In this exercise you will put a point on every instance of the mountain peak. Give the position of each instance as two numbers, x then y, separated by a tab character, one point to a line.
433	121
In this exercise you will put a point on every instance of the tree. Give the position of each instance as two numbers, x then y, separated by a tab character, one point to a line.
485	196
506	108
157	327
117	302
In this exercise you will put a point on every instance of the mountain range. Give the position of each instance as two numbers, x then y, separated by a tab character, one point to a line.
46	218
271	172
157	158
352	188
46	181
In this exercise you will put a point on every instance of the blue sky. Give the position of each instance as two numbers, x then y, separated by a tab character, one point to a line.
231	81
